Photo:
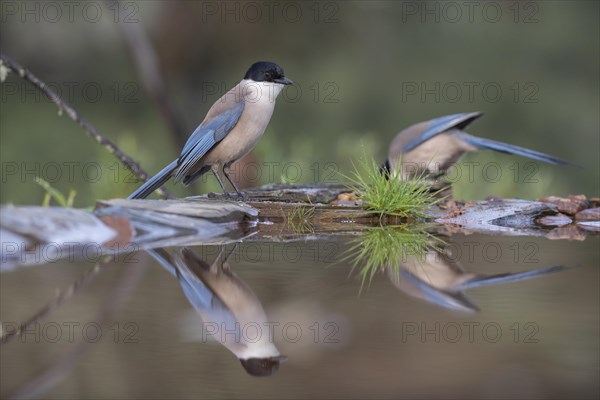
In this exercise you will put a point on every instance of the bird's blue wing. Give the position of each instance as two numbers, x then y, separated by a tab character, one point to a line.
205	137
200	296
451	300
440	125
204	300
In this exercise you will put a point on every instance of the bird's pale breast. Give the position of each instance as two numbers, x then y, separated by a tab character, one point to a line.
435	155
259	99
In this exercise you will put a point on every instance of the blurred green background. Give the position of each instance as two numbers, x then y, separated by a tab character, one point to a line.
364	70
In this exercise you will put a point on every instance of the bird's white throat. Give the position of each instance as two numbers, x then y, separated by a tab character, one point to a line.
259	92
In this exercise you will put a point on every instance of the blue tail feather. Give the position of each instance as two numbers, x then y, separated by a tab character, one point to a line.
483	280
512	149
155	182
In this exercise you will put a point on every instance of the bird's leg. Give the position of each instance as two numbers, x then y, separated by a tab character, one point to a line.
215	170
223	258
226	168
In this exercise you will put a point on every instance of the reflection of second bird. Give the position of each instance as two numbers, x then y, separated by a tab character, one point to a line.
227	304
438	277
432	147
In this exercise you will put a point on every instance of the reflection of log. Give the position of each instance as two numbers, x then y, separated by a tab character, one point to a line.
38	235
33	235
160	223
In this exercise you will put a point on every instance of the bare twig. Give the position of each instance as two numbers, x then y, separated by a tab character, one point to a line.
90	130
63	296
56	371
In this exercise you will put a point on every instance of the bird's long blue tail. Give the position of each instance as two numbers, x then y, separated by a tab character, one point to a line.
512	149
155	182
485	280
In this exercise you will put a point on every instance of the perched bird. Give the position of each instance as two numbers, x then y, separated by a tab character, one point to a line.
230	130
430	148
438	277
227	303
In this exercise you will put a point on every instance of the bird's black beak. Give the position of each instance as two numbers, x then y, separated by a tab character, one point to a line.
283	80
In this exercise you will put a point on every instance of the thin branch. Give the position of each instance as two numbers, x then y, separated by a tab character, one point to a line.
90	130
62	297
59	369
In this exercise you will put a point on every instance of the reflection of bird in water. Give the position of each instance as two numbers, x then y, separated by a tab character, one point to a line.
227	305
438	278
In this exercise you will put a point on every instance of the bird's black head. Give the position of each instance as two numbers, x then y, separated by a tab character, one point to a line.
385	169
262	366
264	71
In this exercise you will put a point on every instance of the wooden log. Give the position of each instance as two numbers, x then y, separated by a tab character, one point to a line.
37	235
160	223
271	213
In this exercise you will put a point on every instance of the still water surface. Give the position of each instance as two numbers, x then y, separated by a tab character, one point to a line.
135	329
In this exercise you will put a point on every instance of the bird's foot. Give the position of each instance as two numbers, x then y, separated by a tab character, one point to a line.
240	196
234	196
220	196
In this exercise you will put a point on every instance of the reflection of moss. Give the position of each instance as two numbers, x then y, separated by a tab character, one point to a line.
300	219
381	247
385	195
